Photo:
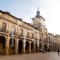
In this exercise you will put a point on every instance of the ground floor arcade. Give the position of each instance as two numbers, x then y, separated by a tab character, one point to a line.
13	45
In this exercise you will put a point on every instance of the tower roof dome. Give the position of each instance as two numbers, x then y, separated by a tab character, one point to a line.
38	13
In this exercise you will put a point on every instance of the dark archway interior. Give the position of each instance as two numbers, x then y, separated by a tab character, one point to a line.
20	46
27	47
2	44
12	46
36	48
45	47
32	47
40	46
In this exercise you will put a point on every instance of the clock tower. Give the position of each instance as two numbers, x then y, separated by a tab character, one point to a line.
38	21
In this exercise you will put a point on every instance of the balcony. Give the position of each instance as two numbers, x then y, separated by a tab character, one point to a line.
27	36
3	28
32	37
45	40
13	33
20	35
3	31
35	38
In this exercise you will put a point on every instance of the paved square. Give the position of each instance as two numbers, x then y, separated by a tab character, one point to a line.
35	56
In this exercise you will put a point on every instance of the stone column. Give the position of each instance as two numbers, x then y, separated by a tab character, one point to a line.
16	46
7	45
29	46
24	45
38	46
43	46
34	47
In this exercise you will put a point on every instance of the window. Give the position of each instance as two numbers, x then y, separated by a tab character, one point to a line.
32	35
40	38
3	27
27	35
21	32
13	32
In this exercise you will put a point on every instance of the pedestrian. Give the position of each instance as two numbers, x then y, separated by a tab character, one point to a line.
58	51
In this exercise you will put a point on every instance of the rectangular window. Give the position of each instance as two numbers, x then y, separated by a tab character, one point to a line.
21	32
3	27
32	35
13	32
0	26
40	38
27	35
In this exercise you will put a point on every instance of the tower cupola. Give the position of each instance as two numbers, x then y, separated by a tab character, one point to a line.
38	14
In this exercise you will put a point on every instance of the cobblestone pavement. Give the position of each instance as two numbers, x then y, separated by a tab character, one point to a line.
34	56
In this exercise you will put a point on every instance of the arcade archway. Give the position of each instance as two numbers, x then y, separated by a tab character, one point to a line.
45	47
12	46
40	46
2	45
27	47
36	48
32	47
20	46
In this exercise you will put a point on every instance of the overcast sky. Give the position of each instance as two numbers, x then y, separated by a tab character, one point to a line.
26	9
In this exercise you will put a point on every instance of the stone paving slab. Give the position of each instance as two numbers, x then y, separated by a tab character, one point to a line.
34	56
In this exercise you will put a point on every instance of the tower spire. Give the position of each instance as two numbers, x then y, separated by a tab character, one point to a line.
38	13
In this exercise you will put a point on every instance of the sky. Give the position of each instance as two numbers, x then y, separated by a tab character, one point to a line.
26	9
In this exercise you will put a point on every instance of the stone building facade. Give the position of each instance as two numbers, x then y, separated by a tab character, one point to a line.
17	36
54	42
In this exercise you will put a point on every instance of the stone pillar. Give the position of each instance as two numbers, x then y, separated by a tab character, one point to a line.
7	45
48	46
24	45
38	46
29	46
16	46
43	46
